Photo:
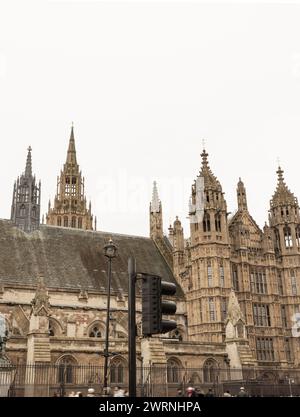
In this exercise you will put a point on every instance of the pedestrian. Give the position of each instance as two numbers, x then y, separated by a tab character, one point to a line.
91	392
242	393
118	392
72	394
227	394
209	393
179	393
78	394
199	393
190	392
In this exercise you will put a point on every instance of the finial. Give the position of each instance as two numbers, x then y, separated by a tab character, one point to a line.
204	156
280	173
29	148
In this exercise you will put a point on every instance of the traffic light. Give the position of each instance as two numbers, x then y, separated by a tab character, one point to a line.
153	307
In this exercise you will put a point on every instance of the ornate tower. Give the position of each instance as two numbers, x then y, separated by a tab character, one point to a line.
70	205
285	219
209	276
285	224
25	209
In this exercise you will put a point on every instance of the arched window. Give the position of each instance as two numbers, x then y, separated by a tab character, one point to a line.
173	371
66	370
206	223
210	371
51	329
73	224
80	223
288	237
218	222
58	221
95	332
118	371
66	222
22	211
298	236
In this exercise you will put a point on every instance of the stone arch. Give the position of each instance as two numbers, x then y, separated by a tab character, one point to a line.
118	370
66	372
55	327
174	370
210	371
96	329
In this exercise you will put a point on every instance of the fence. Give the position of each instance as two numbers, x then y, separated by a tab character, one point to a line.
50	380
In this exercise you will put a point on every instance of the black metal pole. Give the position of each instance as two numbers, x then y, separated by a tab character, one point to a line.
106	354
132	326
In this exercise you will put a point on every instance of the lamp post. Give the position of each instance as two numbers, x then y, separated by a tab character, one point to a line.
110	251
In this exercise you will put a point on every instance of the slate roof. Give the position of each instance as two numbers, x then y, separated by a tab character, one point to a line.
73	259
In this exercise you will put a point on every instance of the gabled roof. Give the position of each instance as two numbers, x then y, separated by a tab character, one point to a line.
73	259
244	217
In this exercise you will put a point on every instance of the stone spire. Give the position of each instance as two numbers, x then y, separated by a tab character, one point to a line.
25	210
283	195
155	203
70	206
242	196
28	169
71	155
156	220
234	312
210	180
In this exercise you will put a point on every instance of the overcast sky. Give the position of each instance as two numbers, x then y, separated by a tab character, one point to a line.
144	83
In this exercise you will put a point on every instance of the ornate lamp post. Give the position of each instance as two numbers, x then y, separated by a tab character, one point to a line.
110	251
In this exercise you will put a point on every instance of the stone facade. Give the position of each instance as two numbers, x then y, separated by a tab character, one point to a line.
237	285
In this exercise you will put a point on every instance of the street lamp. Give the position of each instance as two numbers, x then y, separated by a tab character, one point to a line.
110	251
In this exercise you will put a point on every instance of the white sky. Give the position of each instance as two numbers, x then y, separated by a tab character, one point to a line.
144	83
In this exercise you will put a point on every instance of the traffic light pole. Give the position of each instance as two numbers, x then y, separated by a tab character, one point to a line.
132	326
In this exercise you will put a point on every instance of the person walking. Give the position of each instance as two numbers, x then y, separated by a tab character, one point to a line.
179	393
227	394
209	393
242	393
190	392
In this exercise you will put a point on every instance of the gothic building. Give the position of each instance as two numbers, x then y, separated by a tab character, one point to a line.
262	267
70	205
237	287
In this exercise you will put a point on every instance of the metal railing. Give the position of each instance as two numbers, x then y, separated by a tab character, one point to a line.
52	379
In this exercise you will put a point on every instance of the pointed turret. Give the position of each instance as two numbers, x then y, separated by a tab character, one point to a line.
156	221
207	207
241	196
284	218
155	204
71	156
210	180
25	210
28	169
283	195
